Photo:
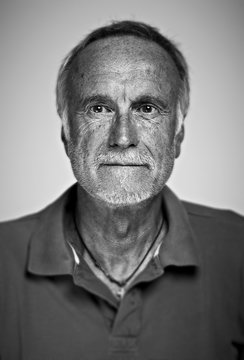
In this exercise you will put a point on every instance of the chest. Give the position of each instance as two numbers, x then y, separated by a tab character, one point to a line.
177	316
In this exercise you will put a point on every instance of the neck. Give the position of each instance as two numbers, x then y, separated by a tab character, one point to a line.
118	237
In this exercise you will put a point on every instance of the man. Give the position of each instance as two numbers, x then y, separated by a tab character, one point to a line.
119	267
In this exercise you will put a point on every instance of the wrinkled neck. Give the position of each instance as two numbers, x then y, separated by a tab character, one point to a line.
118	237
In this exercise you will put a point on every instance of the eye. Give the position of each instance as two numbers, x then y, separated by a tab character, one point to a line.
100	109
147	109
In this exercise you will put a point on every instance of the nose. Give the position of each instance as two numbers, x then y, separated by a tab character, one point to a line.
123	132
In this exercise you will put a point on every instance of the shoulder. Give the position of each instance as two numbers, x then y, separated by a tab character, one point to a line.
218	218
18	227
221	215
22	228
219	232
15	236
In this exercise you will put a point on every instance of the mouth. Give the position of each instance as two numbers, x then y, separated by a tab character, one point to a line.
125	165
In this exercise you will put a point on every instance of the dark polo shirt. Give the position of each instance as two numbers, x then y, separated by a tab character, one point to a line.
188	303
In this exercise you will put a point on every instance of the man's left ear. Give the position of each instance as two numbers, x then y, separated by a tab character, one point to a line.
64	140
178	140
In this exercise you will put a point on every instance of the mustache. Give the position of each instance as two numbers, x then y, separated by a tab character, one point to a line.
125	158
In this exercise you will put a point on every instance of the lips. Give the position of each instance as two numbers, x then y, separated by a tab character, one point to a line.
123	164
130	164
129	159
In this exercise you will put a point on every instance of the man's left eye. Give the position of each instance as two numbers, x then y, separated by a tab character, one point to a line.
147	109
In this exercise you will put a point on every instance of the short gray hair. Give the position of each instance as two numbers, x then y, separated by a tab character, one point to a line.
123	28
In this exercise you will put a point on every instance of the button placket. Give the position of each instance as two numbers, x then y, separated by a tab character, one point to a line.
127	326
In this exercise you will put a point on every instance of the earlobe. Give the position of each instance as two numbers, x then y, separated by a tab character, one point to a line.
178	140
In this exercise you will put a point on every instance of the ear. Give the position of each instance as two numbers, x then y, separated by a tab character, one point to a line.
178	140
64	140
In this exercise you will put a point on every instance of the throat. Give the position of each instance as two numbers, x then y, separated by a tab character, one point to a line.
118	243
116	280
123	279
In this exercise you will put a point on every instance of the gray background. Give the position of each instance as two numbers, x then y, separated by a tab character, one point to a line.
35	36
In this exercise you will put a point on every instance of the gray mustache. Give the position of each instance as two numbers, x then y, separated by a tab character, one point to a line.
125	159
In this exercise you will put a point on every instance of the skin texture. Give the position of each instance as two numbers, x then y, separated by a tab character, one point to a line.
122	143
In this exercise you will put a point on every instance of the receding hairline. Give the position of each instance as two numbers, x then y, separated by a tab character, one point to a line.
162	42
156	52
107	42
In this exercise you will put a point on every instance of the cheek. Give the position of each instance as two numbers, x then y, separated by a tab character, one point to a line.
88	136
158	140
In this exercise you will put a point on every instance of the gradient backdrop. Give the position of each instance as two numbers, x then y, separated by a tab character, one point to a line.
35	35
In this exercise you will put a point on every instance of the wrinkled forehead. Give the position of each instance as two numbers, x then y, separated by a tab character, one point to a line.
126	57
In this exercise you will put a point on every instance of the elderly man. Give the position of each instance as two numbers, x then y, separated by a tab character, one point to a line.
119	267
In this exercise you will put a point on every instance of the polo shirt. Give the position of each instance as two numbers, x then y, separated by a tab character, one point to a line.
187	304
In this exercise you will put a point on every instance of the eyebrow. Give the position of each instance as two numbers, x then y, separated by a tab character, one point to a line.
103	99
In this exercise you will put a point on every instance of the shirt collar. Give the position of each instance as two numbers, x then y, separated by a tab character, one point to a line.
50	254
179	246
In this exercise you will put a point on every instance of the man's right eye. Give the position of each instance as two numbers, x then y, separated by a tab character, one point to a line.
99	109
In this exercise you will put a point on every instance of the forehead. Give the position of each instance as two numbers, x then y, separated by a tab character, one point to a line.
124	58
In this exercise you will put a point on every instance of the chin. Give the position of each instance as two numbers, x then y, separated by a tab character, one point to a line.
123	198
125	189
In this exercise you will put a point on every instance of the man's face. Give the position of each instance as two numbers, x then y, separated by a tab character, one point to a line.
122	119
